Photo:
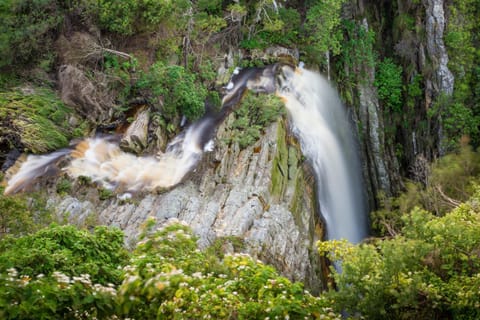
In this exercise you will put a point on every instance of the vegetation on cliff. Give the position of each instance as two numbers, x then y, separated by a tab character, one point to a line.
424	259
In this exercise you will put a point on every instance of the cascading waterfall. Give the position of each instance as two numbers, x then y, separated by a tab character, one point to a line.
102	160
319	121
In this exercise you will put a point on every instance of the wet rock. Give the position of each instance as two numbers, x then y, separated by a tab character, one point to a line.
230	195
135	138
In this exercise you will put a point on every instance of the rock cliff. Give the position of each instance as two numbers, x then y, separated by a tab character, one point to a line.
262	195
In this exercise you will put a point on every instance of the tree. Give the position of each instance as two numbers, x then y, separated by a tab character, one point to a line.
322	26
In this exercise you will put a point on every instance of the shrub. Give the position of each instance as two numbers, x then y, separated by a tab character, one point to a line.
57	296
15	217
182	94
388	80
68	250
255	113
60	272
132	17
26	30
430	271
276	28
170	278
449	181
322	27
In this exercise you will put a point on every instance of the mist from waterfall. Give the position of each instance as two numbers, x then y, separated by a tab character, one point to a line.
319	121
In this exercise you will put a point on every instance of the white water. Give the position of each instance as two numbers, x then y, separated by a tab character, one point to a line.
319	121
106	164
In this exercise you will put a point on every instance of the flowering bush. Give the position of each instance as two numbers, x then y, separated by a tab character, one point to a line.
54	296
169	278
77	276
60	272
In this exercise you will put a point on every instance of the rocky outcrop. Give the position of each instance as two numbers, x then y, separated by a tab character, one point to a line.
136	136
374	151
78	48
435	25
91	100
261	195
442	79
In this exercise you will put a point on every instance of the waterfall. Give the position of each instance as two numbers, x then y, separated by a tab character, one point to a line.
319	121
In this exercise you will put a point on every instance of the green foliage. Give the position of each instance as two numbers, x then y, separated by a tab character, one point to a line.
123	71
53	297
15	217
455	176
35	117
414	91
428	272
60	272
276	28
133	17
208	24
388	80
210	6
357	49
105	194
461	39
68	250
63	272
26	30
254	114
446	183
323	28
181	93
457	120
356	59
64	186
170	278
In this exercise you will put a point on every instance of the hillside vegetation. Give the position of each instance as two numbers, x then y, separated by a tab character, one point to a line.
75	68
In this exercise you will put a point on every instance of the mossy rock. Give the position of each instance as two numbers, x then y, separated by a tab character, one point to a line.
279	178
33	120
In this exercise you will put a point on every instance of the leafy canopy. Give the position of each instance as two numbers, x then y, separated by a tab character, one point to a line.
430	271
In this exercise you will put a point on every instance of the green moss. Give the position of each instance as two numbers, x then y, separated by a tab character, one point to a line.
34	119
280	164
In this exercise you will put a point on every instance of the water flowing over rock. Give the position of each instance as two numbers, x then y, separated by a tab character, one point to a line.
319	121
231	194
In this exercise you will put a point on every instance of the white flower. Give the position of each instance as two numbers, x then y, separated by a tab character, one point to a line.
60	277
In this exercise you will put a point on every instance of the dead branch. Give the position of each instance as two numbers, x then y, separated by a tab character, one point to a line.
447	199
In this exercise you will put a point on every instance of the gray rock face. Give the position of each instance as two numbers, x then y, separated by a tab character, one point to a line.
230	195
442	80
435	26
92	101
